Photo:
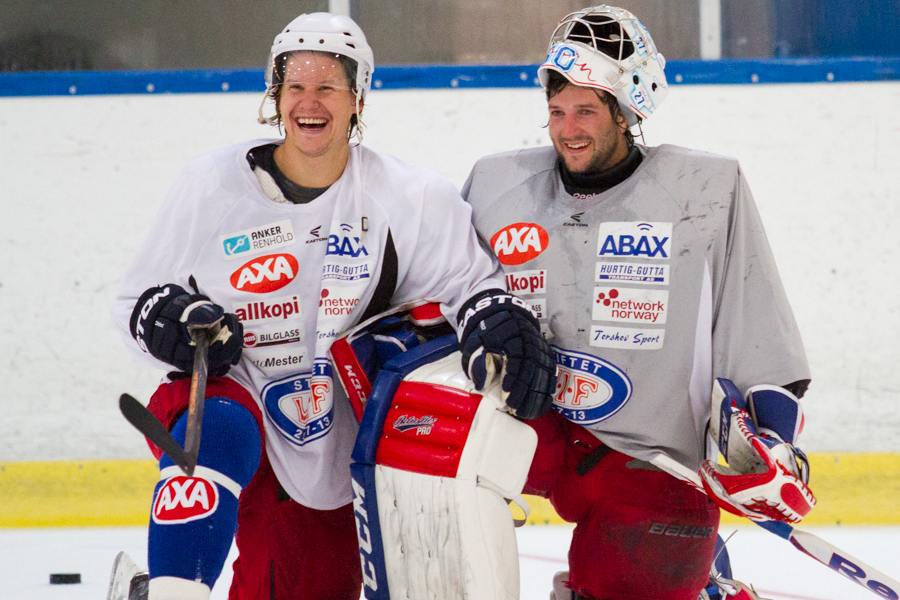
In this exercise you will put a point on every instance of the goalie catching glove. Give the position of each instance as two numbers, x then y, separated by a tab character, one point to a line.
766	476
498	329
161	324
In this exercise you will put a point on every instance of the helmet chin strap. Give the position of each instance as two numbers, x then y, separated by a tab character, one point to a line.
262	120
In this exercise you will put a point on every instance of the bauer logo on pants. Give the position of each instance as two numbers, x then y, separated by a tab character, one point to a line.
588	389
182	499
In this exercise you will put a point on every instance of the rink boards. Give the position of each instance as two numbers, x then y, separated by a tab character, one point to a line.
852	489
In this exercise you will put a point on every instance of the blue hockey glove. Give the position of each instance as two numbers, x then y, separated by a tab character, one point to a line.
160	322
501	325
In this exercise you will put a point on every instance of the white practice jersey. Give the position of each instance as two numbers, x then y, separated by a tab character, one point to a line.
645	292
297	275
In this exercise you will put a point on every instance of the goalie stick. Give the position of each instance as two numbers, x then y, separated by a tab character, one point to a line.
812	545
147	423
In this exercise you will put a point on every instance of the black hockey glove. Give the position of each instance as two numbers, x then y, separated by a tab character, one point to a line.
160	323
494	322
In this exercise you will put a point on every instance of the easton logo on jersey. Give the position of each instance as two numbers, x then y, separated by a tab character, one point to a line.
182	499
588	389
635	239
520	242
265	274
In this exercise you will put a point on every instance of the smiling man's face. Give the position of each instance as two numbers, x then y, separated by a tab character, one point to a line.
583	130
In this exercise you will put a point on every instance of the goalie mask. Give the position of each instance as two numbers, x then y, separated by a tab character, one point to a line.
327	34
608	48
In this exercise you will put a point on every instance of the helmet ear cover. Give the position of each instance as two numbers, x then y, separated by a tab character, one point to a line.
610	49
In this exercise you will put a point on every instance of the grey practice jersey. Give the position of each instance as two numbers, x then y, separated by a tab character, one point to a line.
646	292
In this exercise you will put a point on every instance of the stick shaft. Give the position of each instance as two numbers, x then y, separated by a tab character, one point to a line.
197	397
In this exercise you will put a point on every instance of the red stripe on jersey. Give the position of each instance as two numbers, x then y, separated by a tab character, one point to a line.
427	314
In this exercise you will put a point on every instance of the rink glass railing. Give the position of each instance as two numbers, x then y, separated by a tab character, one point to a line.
747	71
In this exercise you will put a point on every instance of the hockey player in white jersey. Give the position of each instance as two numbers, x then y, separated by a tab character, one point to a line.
656	288
278	246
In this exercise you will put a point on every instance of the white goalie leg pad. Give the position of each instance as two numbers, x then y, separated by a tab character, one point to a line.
447	459
175	588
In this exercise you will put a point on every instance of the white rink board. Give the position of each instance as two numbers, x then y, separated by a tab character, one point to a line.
82	177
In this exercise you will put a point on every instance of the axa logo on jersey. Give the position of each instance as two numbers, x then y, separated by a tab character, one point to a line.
265	274
182	499
520	242
635	239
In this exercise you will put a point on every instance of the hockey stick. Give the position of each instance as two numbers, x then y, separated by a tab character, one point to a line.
147	423
198	395
812	545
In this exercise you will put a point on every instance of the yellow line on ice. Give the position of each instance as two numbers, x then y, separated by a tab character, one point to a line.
851	488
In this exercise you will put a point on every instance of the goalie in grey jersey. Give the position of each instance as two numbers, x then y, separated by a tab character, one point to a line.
656	288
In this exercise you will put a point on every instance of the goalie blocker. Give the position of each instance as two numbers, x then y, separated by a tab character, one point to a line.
433	464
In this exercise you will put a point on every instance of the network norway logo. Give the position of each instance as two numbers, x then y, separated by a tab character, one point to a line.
607	300
630	305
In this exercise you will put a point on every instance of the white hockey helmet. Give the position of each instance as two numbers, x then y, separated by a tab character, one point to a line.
322	32
608	48
325	32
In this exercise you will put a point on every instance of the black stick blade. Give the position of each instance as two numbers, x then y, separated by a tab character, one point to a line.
147	423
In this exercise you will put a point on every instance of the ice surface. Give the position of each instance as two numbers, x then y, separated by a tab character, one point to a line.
772	565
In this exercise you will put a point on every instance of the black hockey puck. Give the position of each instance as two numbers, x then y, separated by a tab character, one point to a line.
65	578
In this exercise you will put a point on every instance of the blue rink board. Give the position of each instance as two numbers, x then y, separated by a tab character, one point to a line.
809	70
